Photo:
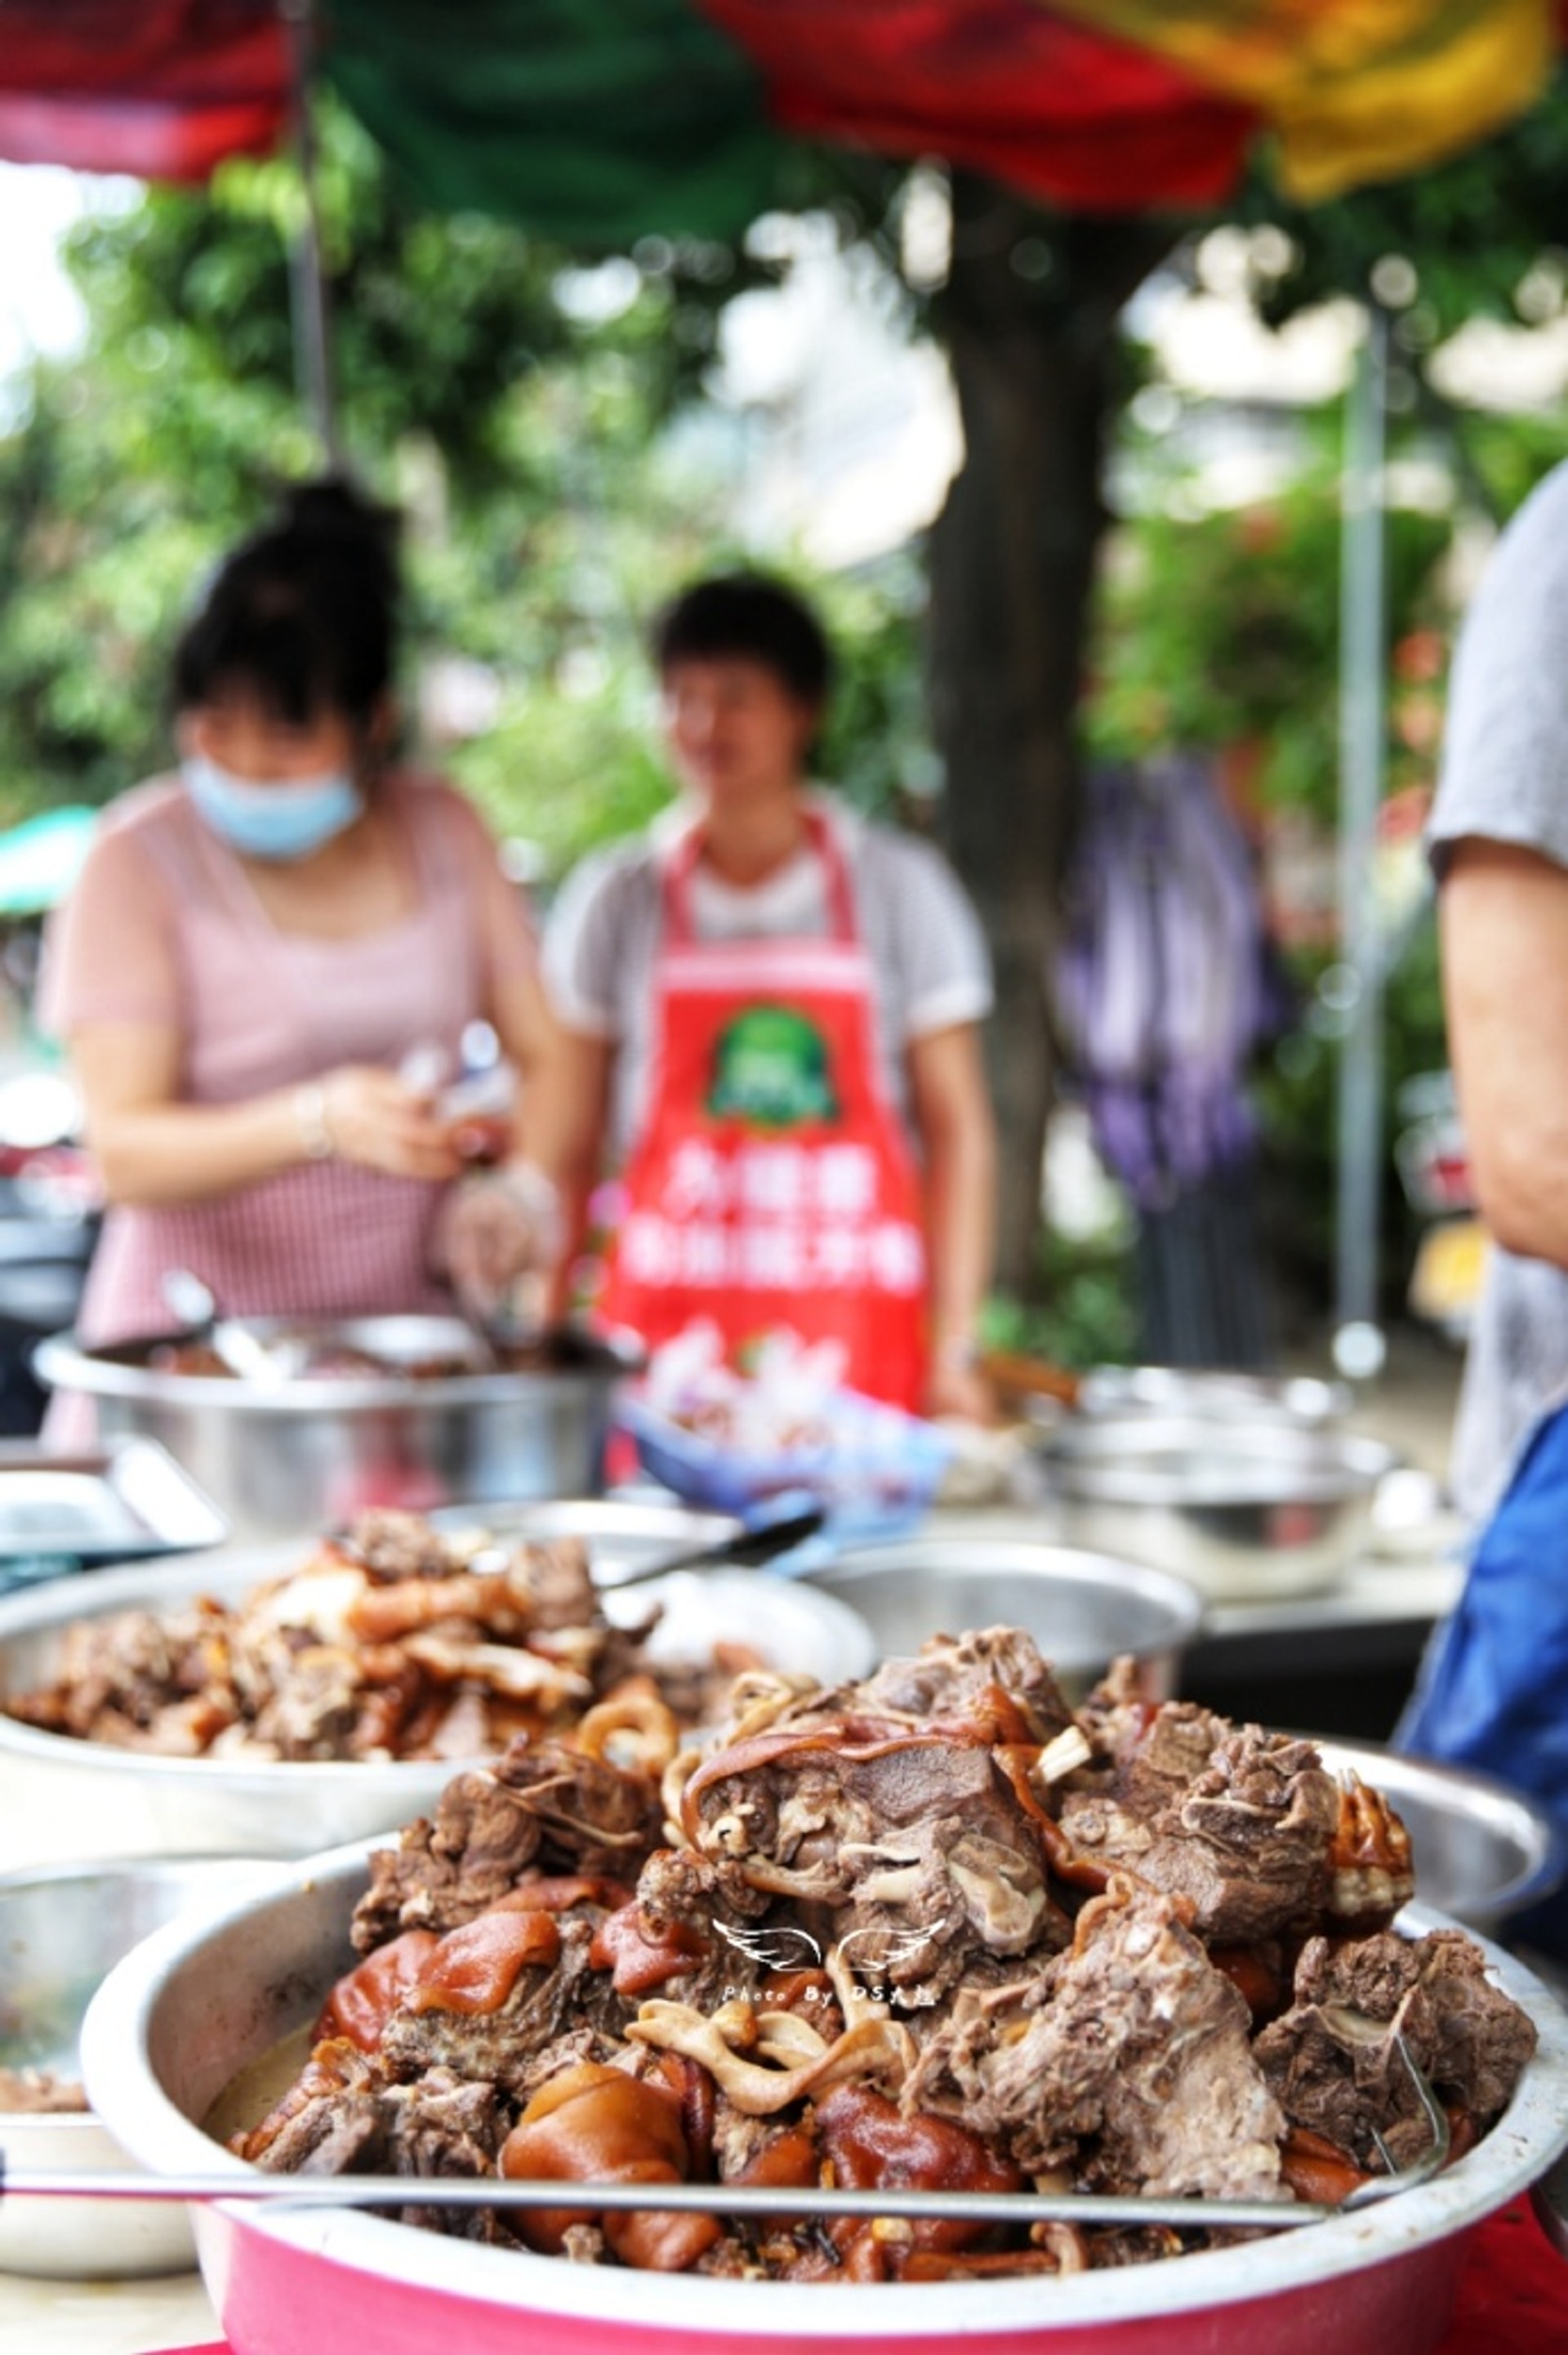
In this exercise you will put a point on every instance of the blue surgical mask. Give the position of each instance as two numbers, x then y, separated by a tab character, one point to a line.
282	821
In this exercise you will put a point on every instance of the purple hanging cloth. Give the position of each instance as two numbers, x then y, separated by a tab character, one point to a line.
1166	984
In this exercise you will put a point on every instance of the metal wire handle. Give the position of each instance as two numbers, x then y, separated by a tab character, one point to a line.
1020	2208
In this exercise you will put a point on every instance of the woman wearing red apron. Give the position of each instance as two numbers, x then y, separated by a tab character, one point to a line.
772	1013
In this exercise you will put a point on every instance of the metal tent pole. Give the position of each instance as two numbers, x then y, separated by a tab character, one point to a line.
1359	1345
312	335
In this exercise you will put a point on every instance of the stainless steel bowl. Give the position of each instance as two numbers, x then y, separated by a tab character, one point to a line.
1481	1850
86	1797
178	2020
62	1932
1082	1609
311	1450
1213	1390
1242	1510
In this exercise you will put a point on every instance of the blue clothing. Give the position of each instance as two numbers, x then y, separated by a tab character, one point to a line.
1494	1691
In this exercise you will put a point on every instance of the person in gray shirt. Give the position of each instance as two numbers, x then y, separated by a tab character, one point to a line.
1499	844
1493	1692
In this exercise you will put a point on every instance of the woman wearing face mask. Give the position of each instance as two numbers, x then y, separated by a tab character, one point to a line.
255	943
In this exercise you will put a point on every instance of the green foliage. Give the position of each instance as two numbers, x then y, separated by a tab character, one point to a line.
1479	231
1223	629
1085	1311
511	399
517	423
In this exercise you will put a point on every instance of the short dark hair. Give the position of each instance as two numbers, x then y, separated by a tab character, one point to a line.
304	614
746	614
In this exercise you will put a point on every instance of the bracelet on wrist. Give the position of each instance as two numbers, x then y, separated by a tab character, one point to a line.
311	1123
957	1353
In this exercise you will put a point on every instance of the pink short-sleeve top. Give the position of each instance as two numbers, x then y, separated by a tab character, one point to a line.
257	1009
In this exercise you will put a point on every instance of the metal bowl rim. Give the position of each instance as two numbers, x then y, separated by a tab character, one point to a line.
1186	1462
1520	2147
62	1363
1079	1566
1393	1771
1225	1393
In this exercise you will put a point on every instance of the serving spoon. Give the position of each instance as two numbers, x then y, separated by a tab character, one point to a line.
245	1355
749	1549
745	1549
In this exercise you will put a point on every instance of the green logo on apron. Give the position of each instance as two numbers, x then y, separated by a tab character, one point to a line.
770	1070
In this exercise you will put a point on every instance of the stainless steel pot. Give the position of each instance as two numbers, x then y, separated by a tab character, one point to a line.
1212	1391
1243	1510
62	1930
1082	1609
307	1452
85	1797
182	2017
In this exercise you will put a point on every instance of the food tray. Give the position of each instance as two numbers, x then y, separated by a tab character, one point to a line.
117	1502
876	1475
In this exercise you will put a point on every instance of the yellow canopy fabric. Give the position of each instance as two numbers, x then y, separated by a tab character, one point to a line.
1356	90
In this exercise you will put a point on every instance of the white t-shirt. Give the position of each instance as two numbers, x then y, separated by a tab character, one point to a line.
922	936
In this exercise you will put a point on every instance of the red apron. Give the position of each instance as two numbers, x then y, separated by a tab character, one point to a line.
772	1185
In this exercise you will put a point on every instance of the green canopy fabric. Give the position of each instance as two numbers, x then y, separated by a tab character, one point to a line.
588	119
39	859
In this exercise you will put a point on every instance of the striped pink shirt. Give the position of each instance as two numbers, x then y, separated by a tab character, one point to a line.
257	1009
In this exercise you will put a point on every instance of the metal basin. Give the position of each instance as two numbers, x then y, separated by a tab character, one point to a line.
1244	1510
62	1932
101	1800
1481	1850
1212	1391
311	1451
1082	1609
189	2011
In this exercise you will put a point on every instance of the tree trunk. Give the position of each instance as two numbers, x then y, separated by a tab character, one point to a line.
1028	320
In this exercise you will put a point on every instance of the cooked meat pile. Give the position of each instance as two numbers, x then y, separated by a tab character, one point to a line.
396	1642
931	1929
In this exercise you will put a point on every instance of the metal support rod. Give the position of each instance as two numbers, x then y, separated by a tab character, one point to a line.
1193	2212
1362	628
307	274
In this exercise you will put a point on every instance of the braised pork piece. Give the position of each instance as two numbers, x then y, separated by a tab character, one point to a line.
395	1641
930	1929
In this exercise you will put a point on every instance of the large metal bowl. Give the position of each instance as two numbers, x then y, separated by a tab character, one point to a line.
67	1796
62	1930
182	2017
1213	1391
1482	1850
305	1453
1243	1510
1082	1609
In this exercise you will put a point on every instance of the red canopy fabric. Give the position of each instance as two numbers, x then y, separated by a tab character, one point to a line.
161	89
605	118
1002	85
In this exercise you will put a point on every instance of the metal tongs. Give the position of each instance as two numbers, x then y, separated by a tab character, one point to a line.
775	2200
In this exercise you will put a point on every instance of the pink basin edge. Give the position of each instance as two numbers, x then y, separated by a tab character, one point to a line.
274	2299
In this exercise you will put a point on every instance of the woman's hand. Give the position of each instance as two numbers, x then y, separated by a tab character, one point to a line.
372	1117
499	1225
955	1387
